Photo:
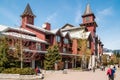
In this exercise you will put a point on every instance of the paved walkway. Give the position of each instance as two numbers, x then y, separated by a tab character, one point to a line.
79	75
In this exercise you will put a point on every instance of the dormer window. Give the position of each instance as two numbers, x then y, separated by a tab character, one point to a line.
66	41
58	38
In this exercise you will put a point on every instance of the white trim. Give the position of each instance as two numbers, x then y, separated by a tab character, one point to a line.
23	36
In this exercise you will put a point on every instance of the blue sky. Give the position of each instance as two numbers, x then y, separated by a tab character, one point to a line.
60	12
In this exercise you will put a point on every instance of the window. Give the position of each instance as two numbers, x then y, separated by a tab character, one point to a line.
30	20
64	50
66	41
38	46
58	38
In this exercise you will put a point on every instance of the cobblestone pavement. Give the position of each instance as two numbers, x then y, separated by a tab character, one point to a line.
79	75
75	75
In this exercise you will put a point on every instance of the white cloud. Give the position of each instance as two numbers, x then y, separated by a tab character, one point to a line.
51	18
101	14
107	11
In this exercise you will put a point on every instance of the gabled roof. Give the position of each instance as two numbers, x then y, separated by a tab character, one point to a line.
23	36
3	28
28	11
40	29
72	28
80	34
67	34
67	26
54	31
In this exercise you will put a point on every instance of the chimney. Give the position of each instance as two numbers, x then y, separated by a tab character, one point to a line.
46	26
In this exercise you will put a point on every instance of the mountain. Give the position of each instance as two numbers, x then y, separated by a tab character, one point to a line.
107	50
117	51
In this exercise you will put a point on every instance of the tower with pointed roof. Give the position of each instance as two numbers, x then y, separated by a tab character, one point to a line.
27	16
88	20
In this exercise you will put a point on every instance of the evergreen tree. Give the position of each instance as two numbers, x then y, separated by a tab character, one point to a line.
51	57
57	56
4	48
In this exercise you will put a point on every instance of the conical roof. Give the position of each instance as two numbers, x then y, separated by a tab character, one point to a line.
88	10
28	11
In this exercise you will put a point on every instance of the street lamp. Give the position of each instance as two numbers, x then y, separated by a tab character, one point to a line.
21	51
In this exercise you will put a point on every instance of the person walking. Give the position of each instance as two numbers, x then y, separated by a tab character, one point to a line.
112	74
109	73
37	70
94	69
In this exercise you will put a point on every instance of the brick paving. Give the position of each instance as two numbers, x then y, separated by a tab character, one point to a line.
79	75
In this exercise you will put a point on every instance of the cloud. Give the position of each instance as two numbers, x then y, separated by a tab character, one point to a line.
107	11
52	17
101	14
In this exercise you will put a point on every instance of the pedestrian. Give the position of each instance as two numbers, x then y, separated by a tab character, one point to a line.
94	69
103	68
37	70
112	74
114	68
109	73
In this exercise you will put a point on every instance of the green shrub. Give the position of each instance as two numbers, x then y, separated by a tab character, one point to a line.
78	68
24	71
1	69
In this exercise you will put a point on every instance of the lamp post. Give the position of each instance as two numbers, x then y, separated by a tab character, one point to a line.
21	51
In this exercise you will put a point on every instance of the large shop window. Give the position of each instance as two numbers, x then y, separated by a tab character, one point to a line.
58	38
66	41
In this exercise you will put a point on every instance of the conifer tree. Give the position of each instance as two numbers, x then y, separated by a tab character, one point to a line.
51	57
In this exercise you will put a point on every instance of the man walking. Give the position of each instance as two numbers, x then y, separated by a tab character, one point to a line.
110	73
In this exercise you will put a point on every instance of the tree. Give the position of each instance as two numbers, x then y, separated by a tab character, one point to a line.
51	57
117	55
16	55
113	59
83	47
105	59
4	48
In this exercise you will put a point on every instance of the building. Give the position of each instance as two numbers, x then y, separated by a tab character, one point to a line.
35	40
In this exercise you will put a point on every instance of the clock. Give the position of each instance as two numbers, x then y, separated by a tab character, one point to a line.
87	19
